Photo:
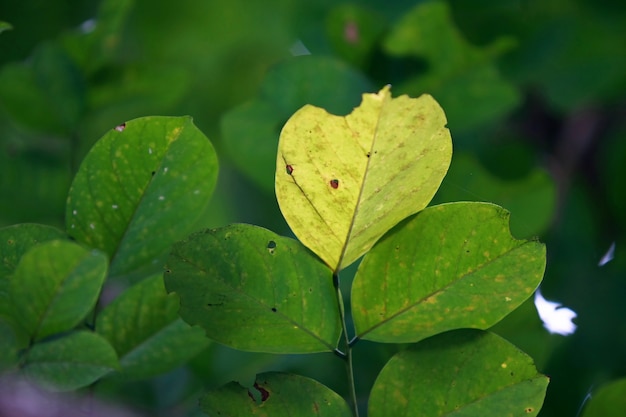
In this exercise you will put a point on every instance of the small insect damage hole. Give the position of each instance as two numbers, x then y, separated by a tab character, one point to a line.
271	247
274	309
258	394
289	169
334	183
153	172
120	128
529	410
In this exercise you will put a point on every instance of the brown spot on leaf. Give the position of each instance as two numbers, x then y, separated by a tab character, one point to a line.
334	183
265	394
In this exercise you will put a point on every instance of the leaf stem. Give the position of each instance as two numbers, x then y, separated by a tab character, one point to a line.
348	355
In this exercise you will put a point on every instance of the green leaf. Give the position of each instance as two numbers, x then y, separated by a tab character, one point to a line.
530	199
95	47
275	394
142	325
46	93
18	239
141	188
55	285
5	26
250	131
608	401
354	32
8	346
460	76
254	290
462	373
71	362
342	182
15	241
450	266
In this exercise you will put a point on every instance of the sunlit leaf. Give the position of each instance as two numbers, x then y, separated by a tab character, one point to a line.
73	361
250	131
55	285
141	188
450	266
466	373
342	182
254	290
143	326
277	395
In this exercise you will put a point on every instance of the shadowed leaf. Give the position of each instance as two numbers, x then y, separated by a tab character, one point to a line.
466	373
277	395
254	290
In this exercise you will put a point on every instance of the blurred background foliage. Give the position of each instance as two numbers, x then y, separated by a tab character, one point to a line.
535	94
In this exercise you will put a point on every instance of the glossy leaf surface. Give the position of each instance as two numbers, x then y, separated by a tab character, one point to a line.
342	182
450	266
466	373
141	188
254	290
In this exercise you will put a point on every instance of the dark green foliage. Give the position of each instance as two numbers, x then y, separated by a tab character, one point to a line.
534	94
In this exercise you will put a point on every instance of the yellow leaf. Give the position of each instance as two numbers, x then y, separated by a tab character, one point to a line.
342	182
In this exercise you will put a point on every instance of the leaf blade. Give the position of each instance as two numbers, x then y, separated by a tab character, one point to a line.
55	286
142	325
254	290
462	373
73	361
342	182
278	395
135	182
450	266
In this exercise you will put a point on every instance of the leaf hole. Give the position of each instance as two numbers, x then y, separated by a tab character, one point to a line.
529	409
153	172
271	246
274	309
289	169
334	183
120	128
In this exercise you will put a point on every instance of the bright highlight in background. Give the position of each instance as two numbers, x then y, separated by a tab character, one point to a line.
556	319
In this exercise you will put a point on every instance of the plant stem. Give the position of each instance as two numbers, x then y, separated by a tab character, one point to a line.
348	349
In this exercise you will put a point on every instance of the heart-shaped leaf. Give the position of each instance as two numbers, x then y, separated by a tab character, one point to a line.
277	395
342	182
142	187
254	290
466	373
450	266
